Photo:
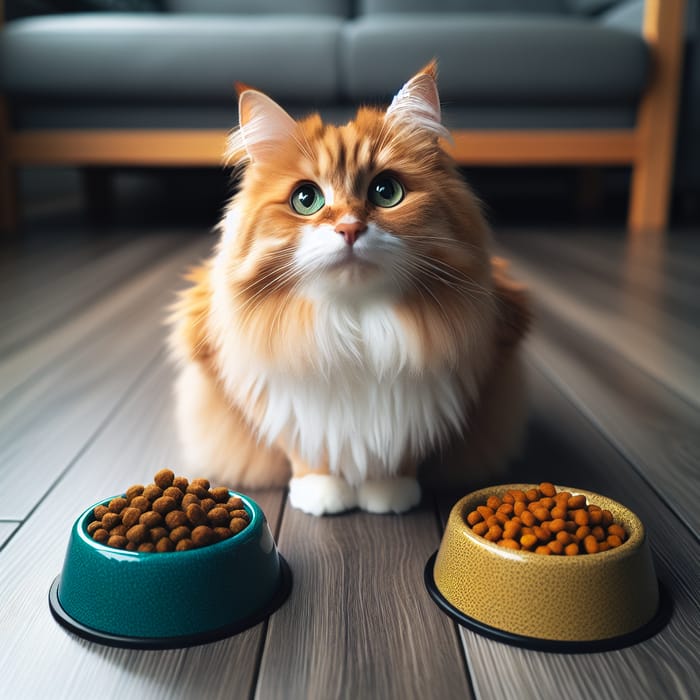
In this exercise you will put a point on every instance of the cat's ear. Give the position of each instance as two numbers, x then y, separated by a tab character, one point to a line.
417	104
263	126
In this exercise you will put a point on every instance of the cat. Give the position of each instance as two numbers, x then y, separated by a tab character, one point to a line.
350	322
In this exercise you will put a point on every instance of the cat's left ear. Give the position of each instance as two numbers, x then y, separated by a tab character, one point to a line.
263	126
417	104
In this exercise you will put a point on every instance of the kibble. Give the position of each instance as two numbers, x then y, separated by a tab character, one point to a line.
175	514
538	520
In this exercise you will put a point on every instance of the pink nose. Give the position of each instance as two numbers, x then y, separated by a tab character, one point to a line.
351	232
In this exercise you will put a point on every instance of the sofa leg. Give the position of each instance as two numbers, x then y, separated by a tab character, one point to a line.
652	172
9	205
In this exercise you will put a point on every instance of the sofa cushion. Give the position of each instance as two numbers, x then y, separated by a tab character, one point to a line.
170	57
372	7
338	8
496	59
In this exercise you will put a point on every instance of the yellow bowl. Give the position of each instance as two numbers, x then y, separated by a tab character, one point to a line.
587	602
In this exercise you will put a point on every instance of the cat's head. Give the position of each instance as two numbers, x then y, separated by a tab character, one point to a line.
375	206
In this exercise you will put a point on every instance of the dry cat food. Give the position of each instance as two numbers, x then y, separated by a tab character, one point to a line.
171	514
543	521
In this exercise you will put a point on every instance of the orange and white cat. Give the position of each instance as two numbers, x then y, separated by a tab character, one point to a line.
350	322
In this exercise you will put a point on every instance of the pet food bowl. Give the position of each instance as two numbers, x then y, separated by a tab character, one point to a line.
588	602
170	599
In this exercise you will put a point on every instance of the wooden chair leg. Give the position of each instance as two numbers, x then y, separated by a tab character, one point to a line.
9	214
652	172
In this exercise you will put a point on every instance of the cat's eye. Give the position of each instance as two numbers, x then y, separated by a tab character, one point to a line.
307	199
385	191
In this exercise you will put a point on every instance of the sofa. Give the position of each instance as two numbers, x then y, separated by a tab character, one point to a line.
523	82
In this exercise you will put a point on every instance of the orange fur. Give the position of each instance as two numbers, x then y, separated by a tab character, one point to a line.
251	314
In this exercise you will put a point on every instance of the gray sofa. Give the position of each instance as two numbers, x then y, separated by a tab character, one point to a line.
508	68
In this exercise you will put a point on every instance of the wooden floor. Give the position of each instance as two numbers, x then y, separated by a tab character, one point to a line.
85	410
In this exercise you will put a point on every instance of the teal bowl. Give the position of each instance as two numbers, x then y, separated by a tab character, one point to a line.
169	599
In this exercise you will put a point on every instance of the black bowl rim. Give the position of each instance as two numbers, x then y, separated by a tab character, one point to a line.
647	630
114	640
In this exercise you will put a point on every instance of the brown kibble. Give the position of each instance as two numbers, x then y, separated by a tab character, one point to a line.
164	544
180	533
240	514
234	503
94	525
204	483
184	545
180	482
151	519
175	519
110	520
158	533
174	493
222	533
99	512
130	516
548	489
119	530
164	478
137	534
117	541
203	535
101	535
218	516
220	494
164	505
152	492
198	491
207	504
196	515
238	525
146	547
131	546
117	505
133	491
188	499
140	502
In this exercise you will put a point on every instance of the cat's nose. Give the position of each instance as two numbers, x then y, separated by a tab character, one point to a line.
351	231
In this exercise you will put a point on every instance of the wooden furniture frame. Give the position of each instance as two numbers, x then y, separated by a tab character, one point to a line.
648	147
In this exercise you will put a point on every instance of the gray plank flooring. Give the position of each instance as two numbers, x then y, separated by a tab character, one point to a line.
85	410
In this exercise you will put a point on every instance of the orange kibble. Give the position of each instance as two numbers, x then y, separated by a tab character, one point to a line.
527	518
595	517
556	525
614	540
598	533
607	518
519	507
511	530
541	514
508	498
532	494
485	512
581	517
590	544
518	495
604	546
540	533
547	503
576	502
493	502
564	537
505	508
508	543
481	528
528	541
495	533
555	547
571	549
542	549
559	512
548	489
617	531
473	518
563	496
570	526
582	532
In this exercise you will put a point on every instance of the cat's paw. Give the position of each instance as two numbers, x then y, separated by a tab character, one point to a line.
321	493
395	495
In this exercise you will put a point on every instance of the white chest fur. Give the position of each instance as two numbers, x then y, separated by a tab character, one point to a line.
365	406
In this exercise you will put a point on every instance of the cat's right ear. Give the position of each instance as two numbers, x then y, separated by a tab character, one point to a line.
263	126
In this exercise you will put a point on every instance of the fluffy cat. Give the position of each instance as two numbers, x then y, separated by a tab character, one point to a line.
350	322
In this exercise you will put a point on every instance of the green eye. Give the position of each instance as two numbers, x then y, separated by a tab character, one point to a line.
307	199
385	191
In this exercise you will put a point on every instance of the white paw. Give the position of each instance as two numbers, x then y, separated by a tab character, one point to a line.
388	495
321	493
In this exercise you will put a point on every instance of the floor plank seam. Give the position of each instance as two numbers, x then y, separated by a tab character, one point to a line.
56	322
86	446
590	417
